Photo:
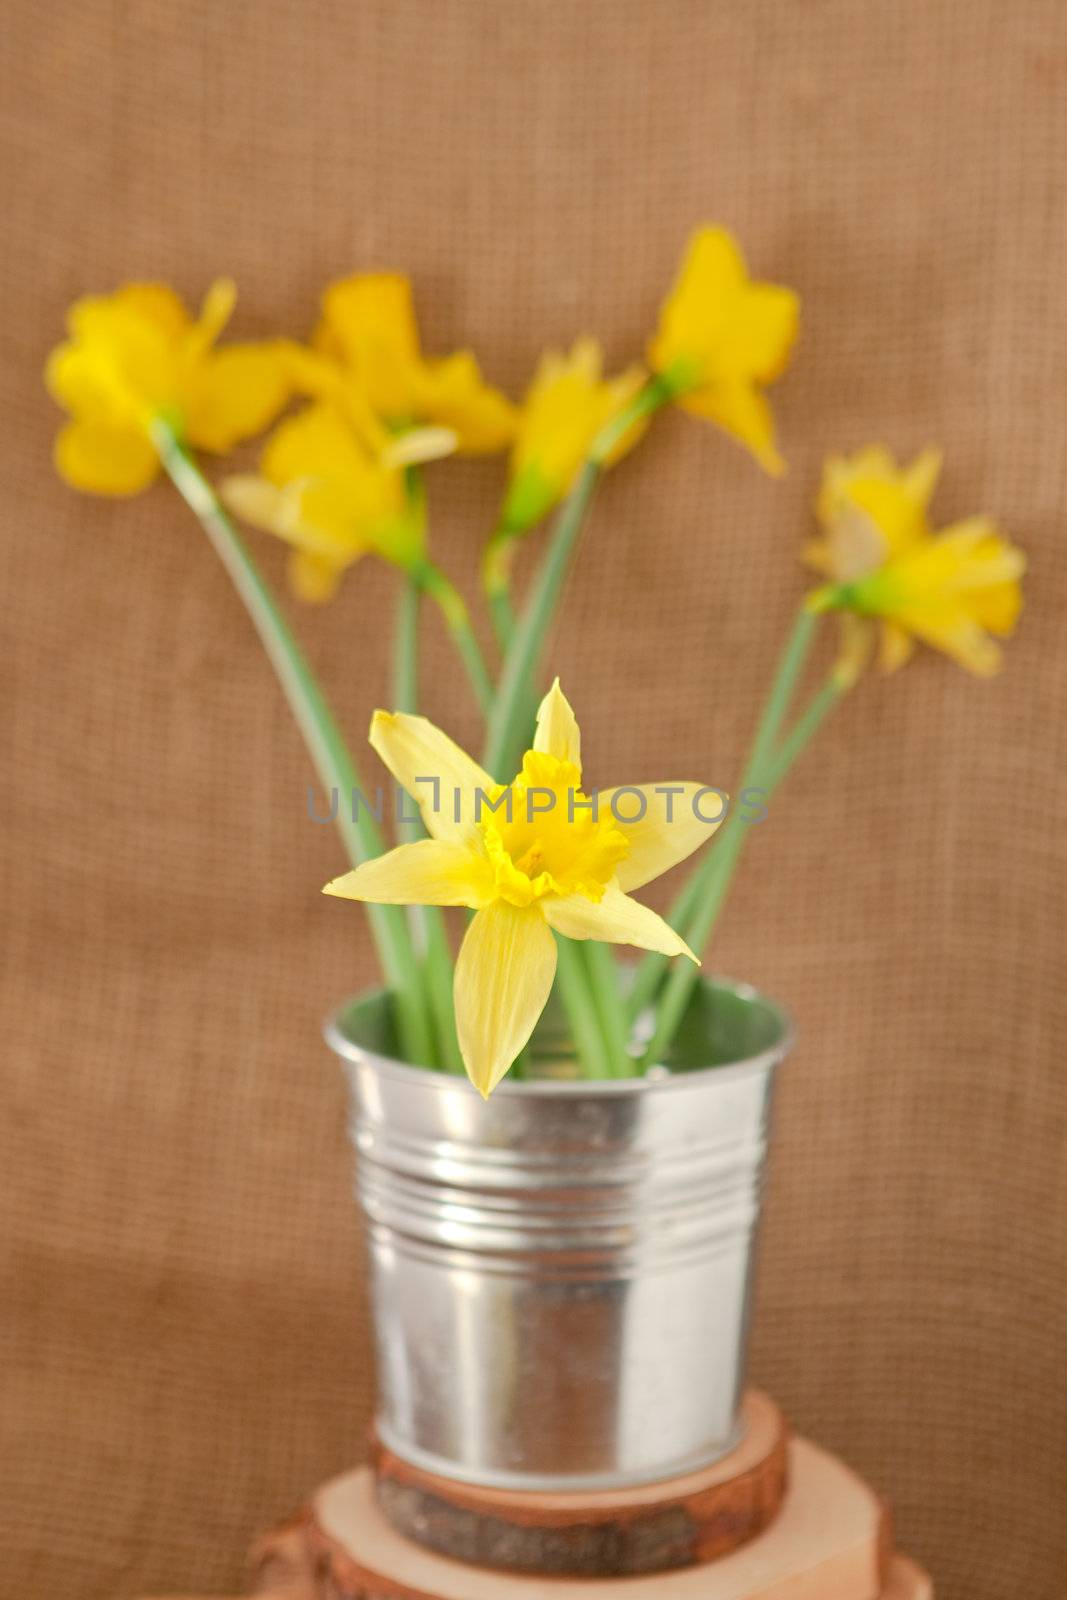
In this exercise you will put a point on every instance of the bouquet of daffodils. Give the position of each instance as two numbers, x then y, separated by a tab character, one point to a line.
546	871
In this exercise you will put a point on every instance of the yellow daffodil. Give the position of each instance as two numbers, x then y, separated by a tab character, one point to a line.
529	858
722	338
322	490
950	589
368	340
136	356
564	409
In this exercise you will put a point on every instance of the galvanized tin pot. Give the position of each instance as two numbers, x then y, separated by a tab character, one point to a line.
561	1278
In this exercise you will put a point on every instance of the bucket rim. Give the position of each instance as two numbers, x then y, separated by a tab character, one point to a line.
658	1081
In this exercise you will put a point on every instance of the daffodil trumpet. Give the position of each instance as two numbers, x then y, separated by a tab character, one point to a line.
532	859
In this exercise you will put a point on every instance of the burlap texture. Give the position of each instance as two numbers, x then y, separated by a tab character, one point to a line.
184	1330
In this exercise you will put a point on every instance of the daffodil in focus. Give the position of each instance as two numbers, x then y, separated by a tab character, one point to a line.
367	343
137	357
531	858
722	338
323	491
952	589
564	409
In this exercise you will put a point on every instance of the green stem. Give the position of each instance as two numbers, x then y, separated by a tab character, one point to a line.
593	1011
439	978
496	571
453	609
329	754
507	722
712	878
406	649
502	615
594	970
574	991
588	979
715	872
790	666
430	933
804	730
603	973
496	584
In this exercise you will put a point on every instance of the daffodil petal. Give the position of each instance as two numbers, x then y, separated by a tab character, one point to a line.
155	303
897	645
216	309
313	579
315	443
416	445
71	378
452	393
373	312
312	372
711	277
234	393
741	410
817	555
439	776
557	728
857	640
921	477
105	459
368	322
960	637
289	513
256	501
762	331
615	919
426	873
670	821
503	979
998	608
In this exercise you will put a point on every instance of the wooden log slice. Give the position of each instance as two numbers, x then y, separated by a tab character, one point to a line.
658	1527
828	1543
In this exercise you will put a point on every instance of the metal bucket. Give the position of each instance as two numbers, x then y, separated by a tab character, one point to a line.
561	1278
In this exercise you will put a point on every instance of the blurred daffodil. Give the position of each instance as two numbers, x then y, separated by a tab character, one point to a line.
368	343
322	490
722	338
564	409
529	858
136	357
951	590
